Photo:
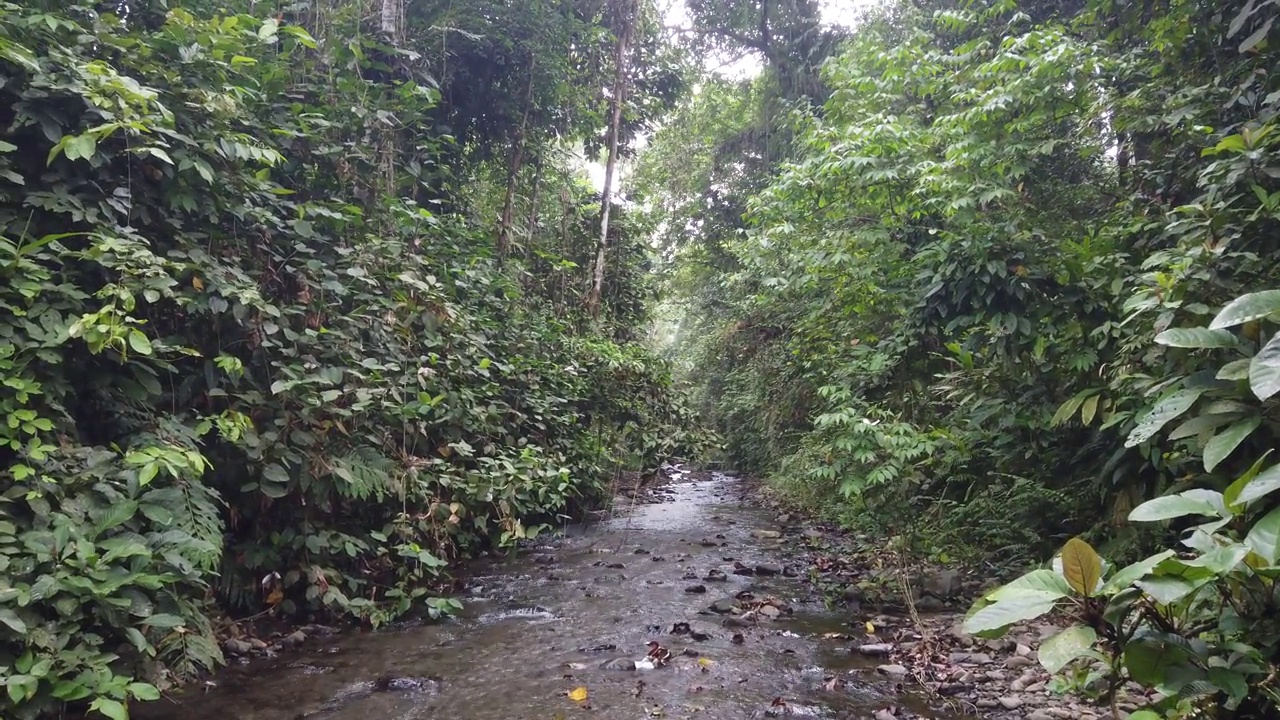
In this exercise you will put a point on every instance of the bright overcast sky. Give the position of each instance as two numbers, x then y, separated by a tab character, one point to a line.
834	12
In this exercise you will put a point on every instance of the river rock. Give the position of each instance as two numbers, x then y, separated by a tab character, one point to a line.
294	639
1019	661
619	664
875	649
942	584
696	589
769	611
235	646
930	604
766	534
893	671
716	575
723	607
1041	715
768	569
1010	702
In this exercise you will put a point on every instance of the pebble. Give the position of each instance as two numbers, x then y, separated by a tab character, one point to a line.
1041	715
696	589
1019	661
766	534
1011	703
876	649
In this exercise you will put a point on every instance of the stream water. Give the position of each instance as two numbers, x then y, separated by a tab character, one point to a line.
547	622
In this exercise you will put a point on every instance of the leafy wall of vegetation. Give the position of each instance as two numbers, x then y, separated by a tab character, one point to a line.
1000	273
266	337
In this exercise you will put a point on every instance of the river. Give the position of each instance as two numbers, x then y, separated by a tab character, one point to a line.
563	615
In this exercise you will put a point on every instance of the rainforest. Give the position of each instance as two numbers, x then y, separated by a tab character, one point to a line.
312	311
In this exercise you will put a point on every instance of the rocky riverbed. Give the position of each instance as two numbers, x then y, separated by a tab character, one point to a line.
689	602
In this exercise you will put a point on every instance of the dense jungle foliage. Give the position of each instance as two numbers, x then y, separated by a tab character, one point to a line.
992	274
293	315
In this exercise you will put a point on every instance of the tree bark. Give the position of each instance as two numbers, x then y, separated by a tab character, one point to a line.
513	170
390	24
619	90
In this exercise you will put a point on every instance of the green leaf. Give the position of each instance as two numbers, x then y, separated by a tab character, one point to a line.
1233	684
1247	308
1150	659
1198	338
1266	482
1018	608
80	146
1126	576
1042	580
113	709
1081	566
1231	496
275	473
1234	370
1191	502
144	691
10	618
1062	648
1222	444
1167	409
1264	537
164	621
1264	369
139	342
1089	408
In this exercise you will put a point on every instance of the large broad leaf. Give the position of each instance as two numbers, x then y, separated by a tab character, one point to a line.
1234	370
1168	590
1267	482
1081	566
1264	537
1169	408
1043	581
1221	560
1024	606
10	618
1264	369
1246	308
1191	502
1132	573
1066	646
1150	661
1222	444
1197	338
1231	496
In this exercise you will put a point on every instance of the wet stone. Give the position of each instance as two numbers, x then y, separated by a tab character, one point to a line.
724	606
696	589
893	671
619	664
768	569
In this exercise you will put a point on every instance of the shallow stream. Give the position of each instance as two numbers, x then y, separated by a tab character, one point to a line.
543	624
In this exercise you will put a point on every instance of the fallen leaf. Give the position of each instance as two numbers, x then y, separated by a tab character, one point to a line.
706	662
871	629
197	283
578	694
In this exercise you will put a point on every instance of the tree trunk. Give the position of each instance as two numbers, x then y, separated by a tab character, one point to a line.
532	224
513	171
619	90
390	24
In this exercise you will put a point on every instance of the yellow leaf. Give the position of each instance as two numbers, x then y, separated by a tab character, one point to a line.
1081	566
197	283
705	662
275	597
871	629
578	694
